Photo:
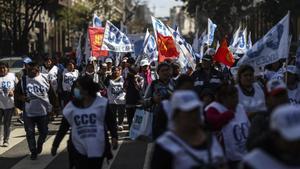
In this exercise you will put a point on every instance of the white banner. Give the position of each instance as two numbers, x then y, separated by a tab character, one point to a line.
115	40
272	47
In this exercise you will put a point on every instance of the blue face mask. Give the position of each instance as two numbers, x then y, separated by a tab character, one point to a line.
77	94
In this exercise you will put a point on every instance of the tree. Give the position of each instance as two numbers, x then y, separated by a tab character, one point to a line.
18	17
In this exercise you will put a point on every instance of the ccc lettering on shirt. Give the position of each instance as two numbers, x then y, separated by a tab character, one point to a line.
240	132
6	85
86	125
69	79
35	89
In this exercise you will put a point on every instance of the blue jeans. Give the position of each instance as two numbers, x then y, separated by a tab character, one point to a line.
5	120
42	125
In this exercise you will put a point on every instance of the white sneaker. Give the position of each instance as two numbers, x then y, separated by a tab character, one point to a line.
5	144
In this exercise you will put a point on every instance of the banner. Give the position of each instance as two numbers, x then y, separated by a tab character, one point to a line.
272	47
97	21
115	40
210	32
96	39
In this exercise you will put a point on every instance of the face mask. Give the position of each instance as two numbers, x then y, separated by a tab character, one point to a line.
77	94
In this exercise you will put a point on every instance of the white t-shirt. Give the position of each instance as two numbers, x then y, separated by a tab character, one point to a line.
68	79
37	89
235	133
52	76
254	103
87	126
294	95
7	83
115	92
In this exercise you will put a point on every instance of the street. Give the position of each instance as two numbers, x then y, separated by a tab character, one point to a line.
129	155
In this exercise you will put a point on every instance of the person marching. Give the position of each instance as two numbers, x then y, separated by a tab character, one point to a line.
70	74
89	117
37	94
8	82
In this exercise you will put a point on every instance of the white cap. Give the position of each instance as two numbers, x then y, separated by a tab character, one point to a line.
92	58
286	120
291	69
185	100
144	62
108	60
275	86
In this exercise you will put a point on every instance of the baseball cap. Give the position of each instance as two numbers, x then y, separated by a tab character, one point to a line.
185	100
108	60
275	86
27	60
286	120
144	62
291	69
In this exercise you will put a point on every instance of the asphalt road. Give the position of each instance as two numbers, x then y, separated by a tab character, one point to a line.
129	155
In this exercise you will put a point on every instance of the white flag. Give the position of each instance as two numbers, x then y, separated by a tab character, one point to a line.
149	51
160	27
249	43
210	32
115	40
235	39
241	46
272	47
97	21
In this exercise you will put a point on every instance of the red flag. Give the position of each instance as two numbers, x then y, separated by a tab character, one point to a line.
224	55
166	48
96	38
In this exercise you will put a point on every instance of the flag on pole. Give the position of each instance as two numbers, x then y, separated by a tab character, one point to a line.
160	27
96	41
210	32
241	46
166	47
272	47
223	55
149	50
115	40
97	21
235	39
186	50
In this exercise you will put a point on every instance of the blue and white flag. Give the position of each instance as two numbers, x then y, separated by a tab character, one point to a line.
210	32
241	46
150	48
97	21
235	39
249	43
272	47
187	55
115	40
160	27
